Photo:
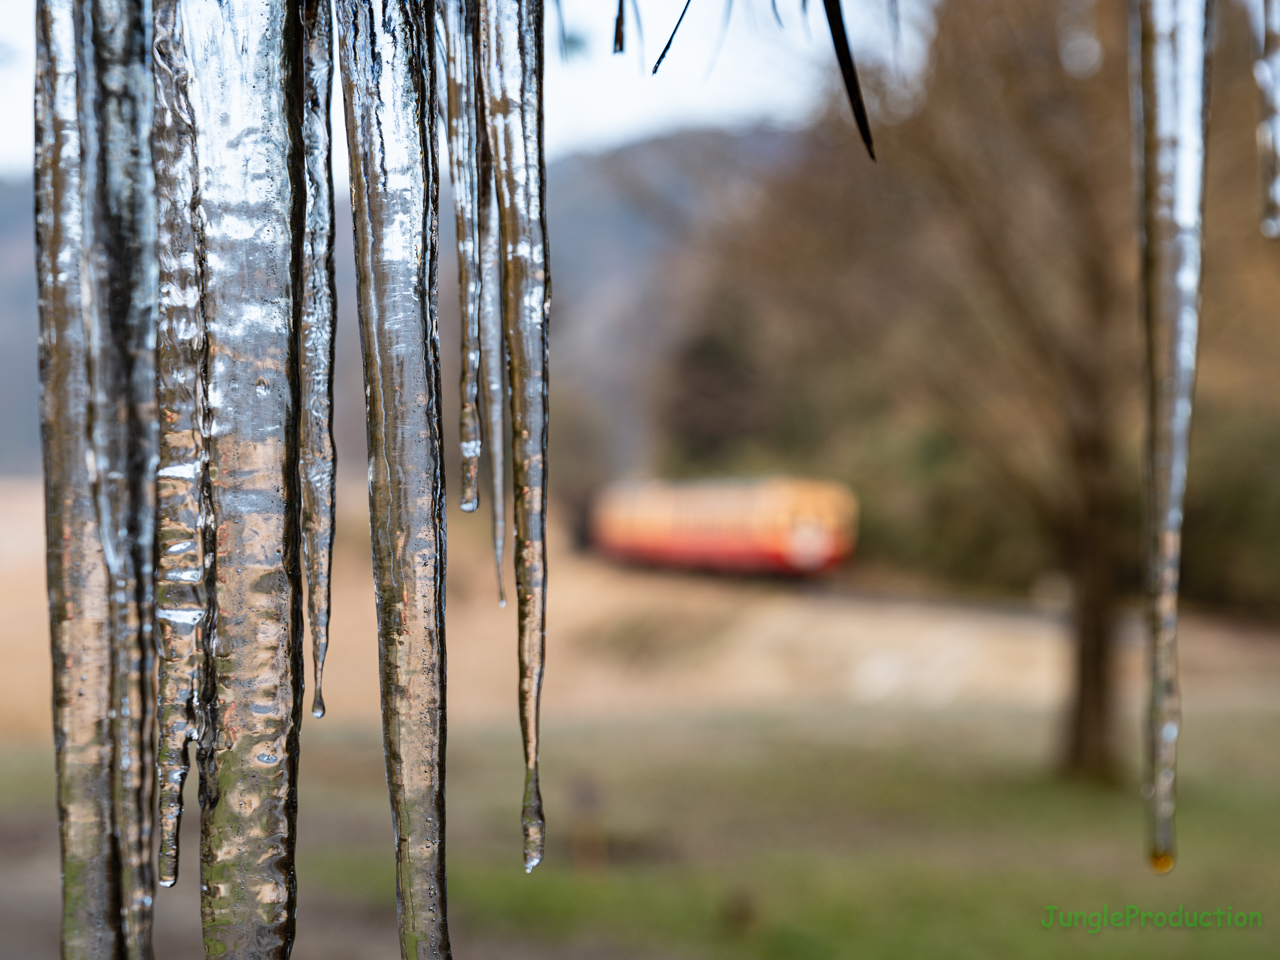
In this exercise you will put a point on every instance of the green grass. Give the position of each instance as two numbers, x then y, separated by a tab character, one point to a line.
825	907
27	778
767	839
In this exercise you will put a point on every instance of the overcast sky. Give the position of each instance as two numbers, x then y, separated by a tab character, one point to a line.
596	100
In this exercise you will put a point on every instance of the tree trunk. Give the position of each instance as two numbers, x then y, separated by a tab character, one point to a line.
1089	751
1090	548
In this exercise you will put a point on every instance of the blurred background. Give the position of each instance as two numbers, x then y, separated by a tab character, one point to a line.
895	759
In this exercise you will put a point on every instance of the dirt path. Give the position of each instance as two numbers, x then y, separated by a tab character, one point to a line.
626	643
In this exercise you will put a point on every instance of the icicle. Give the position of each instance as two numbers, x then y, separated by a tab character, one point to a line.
389	92
513	90
118	287
75	566
1171	110
493	353
1267	72
246	106
182	595
456	30
319	324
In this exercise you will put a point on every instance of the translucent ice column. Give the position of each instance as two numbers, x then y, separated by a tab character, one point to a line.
1171	109
118	300
183	613
1267	72
319	324
512	52
457	42
76	570
388	53
246	109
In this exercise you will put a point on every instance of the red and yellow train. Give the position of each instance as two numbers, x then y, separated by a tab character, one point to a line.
773	525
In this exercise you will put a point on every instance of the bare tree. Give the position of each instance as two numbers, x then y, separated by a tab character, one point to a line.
1034	179
981	276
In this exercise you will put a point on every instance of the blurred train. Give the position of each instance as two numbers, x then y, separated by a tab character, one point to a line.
773	525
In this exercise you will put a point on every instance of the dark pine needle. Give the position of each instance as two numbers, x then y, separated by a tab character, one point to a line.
662	56
844	56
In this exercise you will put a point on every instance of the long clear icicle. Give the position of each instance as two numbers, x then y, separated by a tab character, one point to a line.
1267	73
389	93
76	571
319	319
118	288
456	30
493	352
1171	111
182	594
246	106
513	94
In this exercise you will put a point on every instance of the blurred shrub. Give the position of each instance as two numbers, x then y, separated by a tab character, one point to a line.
1231	537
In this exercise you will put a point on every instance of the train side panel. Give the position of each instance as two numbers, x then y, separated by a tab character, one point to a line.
778	525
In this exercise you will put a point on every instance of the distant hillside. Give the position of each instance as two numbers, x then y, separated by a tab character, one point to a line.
19	411
613	218
618	222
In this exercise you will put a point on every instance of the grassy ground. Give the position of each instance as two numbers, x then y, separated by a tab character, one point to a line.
799	836
829	836
761	799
